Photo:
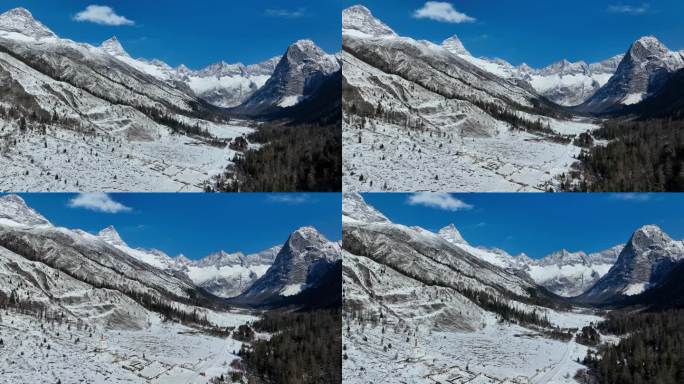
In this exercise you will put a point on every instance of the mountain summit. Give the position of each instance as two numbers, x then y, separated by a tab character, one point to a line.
306	256
454	45
300	73
20	20
451	234
641	73
13	211
360	20
113	47
649	255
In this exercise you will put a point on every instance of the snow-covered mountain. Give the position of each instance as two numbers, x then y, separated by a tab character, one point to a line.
303	260
407	100
647	258
572	273
19	23
430	310
563	82
86	117
15	212
641	73
301	71
229	85
221	84
563	273
417	276
222	274
228	275
83	276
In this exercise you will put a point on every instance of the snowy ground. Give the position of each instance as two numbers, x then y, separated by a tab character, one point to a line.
433	161
162	353
64	160
495	353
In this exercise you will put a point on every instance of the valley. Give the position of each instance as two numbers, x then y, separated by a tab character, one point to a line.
79	117
432	308
423	116
69	298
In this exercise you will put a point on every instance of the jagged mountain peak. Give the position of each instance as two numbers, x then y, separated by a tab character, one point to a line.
305	237
360	19
113	47
647	236
565	257
222	258
454	45
304	258
451	234
650	43
20	20
304	49
14	210
354	207
223	68
111	236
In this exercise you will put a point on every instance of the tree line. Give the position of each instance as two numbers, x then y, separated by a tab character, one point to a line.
650	351
293	158
642	156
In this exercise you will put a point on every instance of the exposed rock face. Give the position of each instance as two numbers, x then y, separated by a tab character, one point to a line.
649	255
14	211
454	45
641	73
299	74
304	259
21	21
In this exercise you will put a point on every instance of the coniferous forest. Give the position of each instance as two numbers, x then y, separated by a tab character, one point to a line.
641	156
293	158
652	351
306	348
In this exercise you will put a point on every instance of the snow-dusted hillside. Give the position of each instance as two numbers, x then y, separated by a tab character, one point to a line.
563	273
221	84
420	117
78	117
415	310
563	82
222	274
84	307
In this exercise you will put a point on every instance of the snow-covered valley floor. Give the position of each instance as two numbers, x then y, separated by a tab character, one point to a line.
164	352
64	160
393	158
495	353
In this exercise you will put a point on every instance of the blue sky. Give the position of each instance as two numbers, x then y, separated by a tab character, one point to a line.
194	224
537	224
540	32
200	32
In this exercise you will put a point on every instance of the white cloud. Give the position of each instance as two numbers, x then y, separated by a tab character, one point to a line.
286	13
442	11
638	197
101	14
442	201
98	202
287	198
630	9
